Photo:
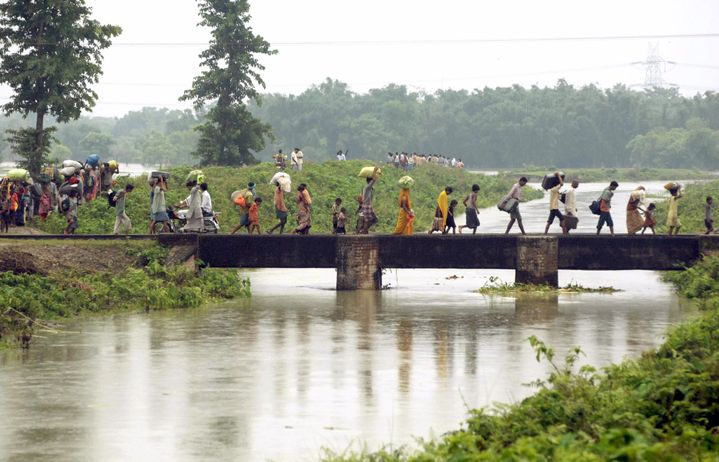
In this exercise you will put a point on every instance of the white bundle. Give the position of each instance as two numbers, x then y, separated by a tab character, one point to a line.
72	163
275	179
68	171
285	183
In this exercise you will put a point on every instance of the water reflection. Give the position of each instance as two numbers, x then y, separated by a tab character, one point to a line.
536	309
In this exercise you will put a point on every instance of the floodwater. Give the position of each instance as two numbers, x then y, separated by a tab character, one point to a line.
300	367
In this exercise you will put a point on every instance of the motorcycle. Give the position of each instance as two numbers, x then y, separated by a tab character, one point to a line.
178	220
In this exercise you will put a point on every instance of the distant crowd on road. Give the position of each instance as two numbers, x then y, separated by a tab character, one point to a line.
407	161
64	189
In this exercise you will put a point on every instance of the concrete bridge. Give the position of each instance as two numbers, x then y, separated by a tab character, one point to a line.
359	260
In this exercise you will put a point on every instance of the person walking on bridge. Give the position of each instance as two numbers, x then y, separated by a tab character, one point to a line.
516	194
471	211
635	220
673	222
304	210
571	217
123	225
605	206
369	217
554	203
442	211
280	210
405	220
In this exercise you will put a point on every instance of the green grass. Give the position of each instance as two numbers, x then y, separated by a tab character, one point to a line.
663	406
27	298
325	181
605	175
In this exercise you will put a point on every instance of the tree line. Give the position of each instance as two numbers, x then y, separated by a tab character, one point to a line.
51	55
561	126
502	127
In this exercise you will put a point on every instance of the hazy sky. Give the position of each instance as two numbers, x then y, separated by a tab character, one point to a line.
424	44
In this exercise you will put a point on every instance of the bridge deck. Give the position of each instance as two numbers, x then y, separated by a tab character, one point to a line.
576	251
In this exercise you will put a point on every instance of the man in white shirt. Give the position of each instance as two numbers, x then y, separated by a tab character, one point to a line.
297	159
570	209
206	204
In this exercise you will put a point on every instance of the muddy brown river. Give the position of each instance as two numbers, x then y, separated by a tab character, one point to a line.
299	367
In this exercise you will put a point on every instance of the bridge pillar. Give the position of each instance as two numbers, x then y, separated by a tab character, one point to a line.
537	260
358	265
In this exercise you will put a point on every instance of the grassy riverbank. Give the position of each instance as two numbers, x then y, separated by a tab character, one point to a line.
605	175
691	207
95	277
325	181
663	406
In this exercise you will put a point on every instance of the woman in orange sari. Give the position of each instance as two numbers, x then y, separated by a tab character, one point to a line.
405	220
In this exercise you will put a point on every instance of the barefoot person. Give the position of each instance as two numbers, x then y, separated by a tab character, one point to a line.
571	218
635	220
304	210
442	211
554	203
673	222
405	220
280	210
516	194
369	217
605	206
471	210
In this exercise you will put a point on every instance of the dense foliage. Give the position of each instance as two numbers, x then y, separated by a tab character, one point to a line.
325	181
50	54
560	127
229	133
151	285
663	406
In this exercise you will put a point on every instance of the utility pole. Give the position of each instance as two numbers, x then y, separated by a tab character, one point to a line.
655	66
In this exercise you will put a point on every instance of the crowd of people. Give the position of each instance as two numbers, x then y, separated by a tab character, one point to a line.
407	161
64	191
55	190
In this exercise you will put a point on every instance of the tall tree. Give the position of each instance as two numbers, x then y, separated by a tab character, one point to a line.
230	133
50	54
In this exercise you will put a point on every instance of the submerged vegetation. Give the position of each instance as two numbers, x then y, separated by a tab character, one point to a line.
31	300
494	286
325	181
663	406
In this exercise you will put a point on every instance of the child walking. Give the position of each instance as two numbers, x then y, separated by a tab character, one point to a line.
673	222
255	216
450	219
341	220
335	214
709	215
650	220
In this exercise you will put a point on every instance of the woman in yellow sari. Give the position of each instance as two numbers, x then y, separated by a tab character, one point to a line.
441	212
405	220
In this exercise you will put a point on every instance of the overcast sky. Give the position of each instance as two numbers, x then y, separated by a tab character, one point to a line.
424	44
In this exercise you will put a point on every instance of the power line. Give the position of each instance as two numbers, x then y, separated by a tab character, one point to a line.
424	41
447	41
